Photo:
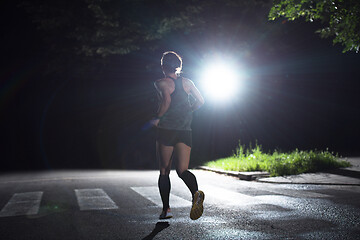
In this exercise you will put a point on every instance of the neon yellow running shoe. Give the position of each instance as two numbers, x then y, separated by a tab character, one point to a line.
197	207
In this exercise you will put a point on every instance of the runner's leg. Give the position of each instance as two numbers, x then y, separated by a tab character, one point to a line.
182	155
164	156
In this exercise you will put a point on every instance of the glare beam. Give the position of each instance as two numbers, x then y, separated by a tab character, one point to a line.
220	82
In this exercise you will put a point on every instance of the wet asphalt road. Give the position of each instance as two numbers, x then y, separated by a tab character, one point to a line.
126	205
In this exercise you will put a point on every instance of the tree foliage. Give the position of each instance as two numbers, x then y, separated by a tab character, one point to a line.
112	27
340	18
104	27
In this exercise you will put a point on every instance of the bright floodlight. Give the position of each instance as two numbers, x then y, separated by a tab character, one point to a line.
220	81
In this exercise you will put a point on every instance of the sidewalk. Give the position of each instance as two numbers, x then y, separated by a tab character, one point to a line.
342	176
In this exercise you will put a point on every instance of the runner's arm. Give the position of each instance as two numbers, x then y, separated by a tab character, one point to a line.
199	100
165	98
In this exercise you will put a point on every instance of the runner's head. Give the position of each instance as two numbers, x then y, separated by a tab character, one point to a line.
171	62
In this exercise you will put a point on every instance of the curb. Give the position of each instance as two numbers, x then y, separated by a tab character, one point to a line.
248	176
263	177
308	183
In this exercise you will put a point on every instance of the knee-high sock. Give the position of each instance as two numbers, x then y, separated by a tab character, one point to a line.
164	188
190	181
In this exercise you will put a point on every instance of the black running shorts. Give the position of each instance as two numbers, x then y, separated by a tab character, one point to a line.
170	137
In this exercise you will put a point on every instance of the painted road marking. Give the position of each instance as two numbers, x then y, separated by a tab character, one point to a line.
27	203
299	193
94	199
228	197
152	194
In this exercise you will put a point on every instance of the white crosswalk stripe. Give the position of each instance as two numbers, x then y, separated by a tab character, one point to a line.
290	192
22	204
228	197
28	203
94	199
152	194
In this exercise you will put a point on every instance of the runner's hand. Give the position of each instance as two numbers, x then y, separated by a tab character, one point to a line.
154	122
150	124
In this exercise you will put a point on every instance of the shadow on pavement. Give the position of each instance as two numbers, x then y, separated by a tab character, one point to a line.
345	172
158	228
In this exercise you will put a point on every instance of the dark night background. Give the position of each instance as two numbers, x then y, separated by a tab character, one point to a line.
301	92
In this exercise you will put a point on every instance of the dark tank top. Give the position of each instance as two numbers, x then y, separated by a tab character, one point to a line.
179	114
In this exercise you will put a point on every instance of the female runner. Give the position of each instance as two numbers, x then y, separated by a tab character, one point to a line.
174	138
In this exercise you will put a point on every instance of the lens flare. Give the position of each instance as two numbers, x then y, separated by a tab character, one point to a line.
220	82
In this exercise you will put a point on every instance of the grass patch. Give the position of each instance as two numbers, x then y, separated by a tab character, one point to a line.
278	163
